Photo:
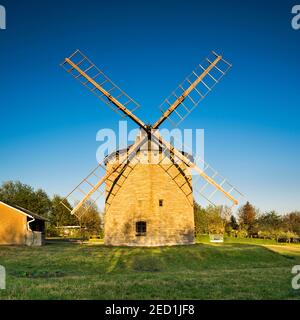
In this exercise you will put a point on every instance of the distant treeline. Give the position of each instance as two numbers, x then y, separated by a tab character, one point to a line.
248	223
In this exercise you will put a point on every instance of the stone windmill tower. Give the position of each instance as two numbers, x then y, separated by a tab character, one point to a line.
148	188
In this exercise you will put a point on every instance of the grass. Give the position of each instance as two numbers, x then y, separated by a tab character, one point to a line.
201	271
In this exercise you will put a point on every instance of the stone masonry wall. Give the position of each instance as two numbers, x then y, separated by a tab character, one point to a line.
137	199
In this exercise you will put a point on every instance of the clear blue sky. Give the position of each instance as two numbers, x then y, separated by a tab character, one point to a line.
251	120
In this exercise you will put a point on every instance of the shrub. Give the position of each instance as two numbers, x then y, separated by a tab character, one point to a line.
242	234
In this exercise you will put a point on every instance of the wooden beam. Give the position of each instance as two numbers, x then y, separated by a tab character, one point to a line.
180	99
108	95
130	152
193	166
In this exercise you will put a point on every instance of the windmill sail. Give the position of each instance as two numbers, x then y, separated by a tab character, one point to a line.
93	188
91	77
89	183
193	90
208	184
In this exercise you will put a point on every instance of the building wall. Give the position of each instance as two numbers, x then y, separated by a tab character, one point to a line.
13	227
137	195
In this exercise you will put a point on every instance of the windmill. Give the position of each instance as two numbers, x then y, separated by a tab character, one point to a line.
148	187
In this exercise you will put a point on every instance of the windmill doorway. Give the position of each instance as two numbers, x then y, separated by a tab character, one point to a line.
141	228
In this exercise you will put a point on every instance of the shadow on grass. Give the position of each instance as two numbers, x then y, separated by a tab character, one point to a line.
198	257
73	256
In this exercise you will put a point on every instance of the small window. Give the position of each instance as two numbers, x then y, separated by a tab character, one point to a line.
141	228
161	203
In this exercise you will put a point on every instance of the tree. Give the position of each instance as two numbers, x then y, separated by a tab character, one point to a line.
247	218
270	221
201	223
270	225
226	213
233	223
90	219
291	235
23	195
60	215
291	222
209	220
216	224
232	226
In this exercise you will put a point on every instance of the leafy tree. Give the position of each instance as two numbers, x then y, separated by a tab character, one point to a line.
23	195
264	234
60	215
270	223
226	214
233	223
216	224
242	233
247	218
209	220
201	223
90	219
291	235
232	226
291	222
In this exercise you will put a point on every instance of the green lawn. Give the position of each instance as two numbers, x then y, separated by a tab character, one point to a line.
202	271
